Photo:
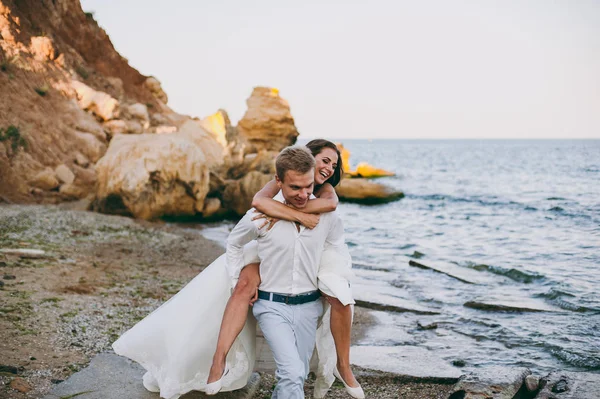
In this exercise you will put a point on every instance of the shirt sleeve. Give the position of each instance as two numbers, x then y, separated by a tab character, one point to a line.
243	232
335	238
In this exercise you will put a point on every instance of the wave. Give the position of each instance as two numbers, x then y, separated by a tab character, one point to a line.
474	199
556	297
513	274
577	359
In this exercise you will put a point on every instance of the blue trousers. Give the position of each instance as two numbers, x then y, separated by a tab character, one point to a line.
290	332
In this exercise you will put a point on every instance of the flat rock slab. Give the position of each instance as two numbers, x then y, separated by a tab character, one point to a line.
110	376
491	383
462	274
568	385
413	362
518	305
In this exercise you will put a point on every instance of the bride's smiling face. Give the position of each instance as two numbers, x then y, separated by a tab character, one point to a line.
327	161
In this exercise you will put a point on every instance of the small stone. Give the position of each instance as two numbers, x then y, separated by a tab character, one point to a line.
64	174
32	358
431	326
561	386
8	369
9	277
459	363
532	382
56	381
19	384
81	160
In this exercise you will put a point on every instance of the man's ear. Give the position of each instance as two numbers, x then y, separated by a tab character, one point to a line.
279	182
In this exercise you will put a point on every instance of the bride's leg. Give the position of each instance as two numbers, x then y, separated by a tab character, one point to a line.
341	326
234	317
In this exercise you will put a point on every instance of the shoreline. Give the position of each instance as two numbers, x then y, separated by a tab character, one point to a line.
100	274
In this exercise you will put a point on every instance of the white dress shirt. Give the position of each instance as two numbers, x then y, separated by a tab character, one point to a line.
289	257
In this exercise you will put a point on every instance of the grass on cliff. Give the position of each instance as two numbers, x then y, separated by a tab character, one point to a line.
13	135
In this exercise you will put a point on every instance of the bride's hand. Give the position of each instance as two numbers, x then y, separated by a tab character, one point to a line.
310	220
255	297
268	220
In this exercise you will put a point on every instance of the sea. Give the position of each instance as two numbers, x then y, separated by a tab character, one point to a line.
507	236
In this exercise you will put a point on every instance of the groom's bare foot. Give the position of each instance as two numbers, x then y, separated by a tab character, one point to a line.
216	371
348	376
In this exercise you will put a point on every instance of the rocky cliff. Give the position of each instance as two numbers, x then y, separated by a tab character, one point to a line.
77	121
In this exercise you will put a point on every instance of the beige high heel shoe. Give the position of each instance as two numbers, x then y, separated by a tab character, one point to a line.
214	387
355	392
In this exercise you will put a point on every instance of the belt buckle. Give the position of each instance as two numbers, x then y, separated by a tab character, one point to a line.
287	298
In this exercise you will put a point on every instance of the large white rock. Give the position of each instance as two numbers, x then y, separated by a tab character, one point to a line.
214	151
99	103
152	176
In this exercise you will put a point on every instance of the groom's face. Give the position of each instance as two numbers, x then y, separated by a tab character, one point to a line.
297	187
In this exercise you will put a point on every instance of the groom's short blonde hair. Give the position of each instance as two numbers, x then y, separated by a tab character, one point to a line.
297	158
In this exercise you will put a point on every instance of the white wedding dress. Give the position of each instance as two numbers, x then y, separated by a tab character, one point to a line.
176	342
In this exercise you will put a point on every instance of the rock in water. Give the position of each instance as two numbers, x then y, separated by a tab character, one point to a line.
491	383
570	385
366	192
268	123
532	383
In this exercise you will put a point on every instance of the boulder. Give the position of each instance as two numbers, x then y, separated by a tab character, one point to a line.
366	192
72	191
263	162
42	48
570	385
81	160
532	383
214	152
99	103
156	89
134	127
90	146
46	180
149	176
88	124
491	383
114	127
64	174
218	125
238	194
268	123
365	170
211	206
139	111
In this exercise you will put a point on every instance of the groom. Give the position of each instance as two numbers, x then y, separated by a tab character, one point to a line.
289	304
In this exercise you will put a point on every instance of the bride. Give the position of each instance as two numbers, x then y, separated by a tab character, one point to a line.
202	338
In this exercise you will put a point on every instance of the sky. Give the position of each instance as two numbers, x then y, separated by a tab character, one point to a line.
375	69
